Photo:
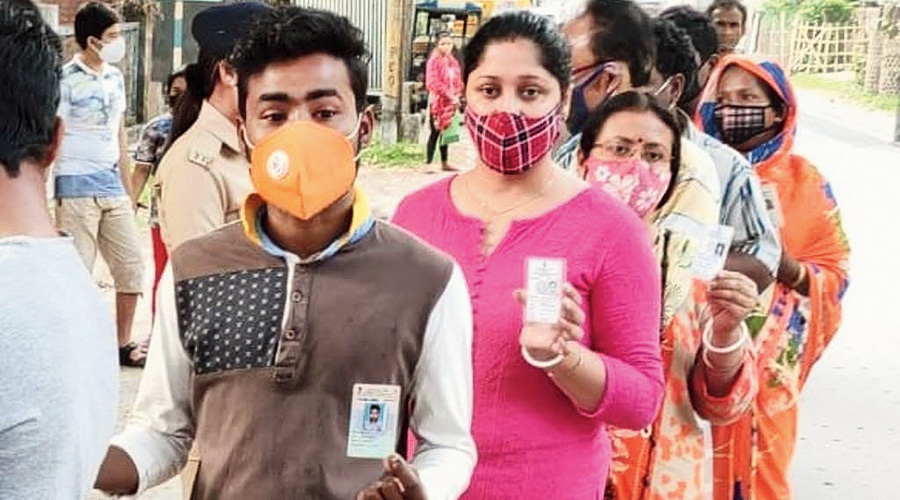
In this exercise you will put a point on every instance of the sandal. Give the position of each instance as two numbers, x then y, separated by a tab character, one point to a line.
125	358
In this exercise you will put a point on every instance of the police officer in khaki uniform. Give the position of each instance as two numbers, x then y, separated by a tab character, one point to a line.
204	177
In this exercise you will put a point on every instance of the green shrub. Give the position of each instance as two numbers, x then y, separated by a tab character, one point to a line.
401	154
827	11
776	7
822	11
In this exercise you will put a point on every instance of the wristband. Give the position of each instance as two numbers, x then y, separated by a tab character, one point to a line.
707	340
543	365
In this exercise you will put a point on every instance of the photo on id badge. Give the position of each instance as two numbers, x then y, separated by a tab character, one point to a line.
374	414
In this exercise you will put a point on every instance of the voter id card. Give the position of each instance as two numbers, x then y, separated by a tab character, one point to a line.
374	415
544	280
709	260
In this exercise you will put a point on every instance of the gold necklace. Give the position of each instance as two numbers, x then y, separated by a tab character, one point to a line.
485	206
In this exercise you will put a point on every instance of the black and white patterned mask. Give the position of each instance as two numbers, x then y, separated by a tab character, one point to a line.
738	124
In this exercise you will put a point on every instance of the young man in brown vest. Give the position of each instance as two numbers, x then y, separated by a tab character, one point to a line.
279	334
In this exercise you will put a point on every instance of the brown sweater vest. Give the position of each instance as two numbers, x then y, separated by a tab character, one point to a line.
272	404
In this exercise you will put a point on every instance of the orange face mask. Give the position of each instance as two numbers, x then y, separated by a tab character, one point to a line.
303	167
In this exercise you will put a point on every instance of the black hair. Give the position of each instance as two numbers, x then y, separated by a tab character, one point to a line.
201	78
91	20
289	33
30	58
170	80
555	55
639	102
623	33
728	4
698	27
675	55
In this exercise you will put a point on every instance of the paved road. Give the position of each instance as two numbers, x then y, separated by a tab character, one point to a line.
850	423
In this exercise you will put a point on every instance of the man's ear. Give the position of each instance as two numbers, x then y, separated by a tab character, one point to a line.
620	80
56	137
243	137
92	42
227	74
567	103
366	127
678	84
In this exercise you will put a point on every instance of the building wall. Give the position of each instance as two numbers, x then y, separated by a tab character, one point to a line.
67	8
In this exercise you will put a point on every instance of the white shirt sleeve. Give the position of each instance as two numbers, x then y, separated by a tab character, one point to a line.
159	434
442	412
64	96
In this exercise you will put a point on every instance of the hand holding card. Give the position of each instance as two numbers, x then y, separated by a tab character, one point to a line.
710	247
732	296
399	482
558	320
712	253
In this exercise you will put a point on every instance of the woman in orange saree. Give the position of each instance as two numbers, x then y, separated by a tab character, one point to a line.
631	147
750	105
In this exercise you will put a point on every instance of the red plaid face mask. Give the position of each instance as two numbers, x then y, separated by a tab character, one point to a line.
512	143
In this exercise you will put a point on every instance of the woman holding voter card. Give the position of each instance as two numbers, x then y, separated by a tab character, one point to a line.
630	148
749	104
579	351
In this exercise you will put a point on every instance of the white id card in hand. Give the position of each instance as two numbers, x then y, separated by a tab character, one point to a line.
709	260
544	281
374	415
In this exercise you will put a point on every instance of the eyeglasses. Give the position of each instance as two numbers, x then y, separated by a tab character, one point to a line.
621	148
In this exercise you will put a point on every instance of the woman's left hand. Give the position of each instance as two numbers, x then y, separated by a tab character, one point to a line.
545	342
732	296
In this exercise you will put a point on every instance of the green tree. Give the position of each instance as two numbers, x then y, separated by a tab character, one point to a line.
822	11
827	11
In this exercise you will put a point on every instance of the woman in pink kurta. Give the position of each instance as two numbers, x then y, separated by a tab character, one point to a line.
541	432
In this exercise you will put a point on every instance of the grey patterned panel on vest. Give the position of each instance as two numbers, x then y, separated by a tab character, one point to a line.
231	321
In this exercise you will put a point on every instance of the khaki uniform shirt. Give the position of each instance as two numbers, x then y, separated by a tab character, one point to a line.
203	179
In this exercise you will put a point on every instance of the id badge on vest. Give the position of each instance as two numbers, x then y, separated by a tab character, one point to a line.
374	418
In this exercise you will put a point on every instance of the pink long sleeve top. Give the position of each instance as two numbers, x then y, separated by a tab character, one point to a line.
533	441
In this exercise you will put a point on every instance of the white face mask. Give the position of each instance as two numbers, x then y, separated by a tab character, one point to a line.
114	51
